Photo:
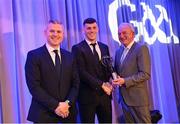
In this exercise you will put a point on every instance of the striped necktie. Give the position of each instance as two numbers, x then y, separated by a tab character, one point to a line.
124	54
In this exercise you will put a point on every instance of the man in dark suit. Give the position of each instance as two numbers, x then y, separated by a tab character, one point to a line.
95	91
132	63
52	79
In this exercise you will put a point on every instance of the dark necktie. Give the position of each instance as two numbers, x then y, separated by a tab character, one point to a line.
57	61
95	52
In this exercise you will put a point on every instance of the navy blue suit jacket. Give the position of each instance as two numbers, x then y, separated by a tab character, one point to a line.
47	87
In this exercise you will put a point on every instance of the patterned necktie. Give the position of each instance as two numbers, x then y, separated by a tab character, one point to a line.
95	52
124	54
57	61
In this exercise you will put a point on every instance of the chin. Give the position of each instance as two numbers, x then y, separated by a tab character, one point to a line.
93	39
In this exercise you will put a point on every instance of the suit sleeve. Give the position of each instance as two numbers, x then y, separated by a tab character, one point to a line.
33	79
84	75
144	68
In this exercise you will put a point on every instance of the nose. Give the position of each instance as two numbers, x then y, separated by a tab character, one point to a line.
91	30
55	33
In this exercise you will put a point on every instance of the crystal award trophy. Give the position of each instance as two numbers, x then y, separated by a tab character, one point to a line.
107	62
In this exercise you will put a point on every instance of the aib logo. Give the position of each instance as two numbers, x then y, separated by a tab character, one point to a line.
148	15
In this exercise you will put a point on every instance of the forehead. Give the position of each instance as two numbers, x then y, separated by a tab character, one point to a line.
125	28
90	25
54	26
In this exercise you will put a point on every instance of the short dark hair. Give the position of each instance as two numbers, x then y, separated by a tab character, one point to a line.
89	21
54	22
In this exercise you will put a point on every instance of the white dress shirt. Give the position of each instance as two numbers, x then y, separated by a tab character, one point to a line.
52	54
126	50
96	47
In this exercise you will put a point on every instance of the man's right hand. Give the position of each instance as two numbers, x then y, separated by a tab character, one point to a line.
107	87
119	81
62	109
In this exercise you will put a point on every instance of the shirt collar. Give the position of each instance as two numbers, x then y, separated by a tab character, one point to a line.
89	42
130	45
50	48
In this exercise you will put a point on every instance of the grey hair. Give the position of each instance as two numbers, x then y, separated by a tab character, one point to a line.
127	24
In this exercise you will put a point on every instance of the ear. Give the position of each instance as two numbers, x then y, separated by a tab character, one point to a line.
97	29
83	30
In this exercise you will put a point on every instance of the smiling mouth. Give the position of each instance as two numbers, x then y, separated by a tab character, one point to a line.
55	38
92	34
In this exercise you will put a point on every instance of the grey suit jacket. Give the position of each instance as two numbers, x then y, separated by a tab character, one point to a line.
136	70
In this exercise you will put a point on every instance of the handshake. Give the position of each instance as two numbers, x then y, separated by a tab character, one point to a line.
108	87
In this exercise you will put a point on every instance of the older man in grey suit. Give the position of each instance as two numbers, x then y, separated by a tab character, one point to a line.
132	64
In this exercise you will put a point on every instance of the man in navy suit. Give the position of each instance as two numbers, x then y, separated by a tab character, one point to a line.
95	91
132	63
52	79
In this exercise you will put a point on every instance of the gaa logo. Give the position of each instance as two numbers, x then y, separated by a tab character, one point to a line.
148	16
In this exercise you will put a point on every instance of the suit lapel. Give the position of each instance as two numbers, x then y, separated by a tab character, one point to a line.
119	54
87	49
48	58
101	49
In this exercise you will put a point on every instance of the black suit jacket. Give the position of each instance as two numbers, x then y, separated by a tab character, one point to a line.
47	87
91	76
